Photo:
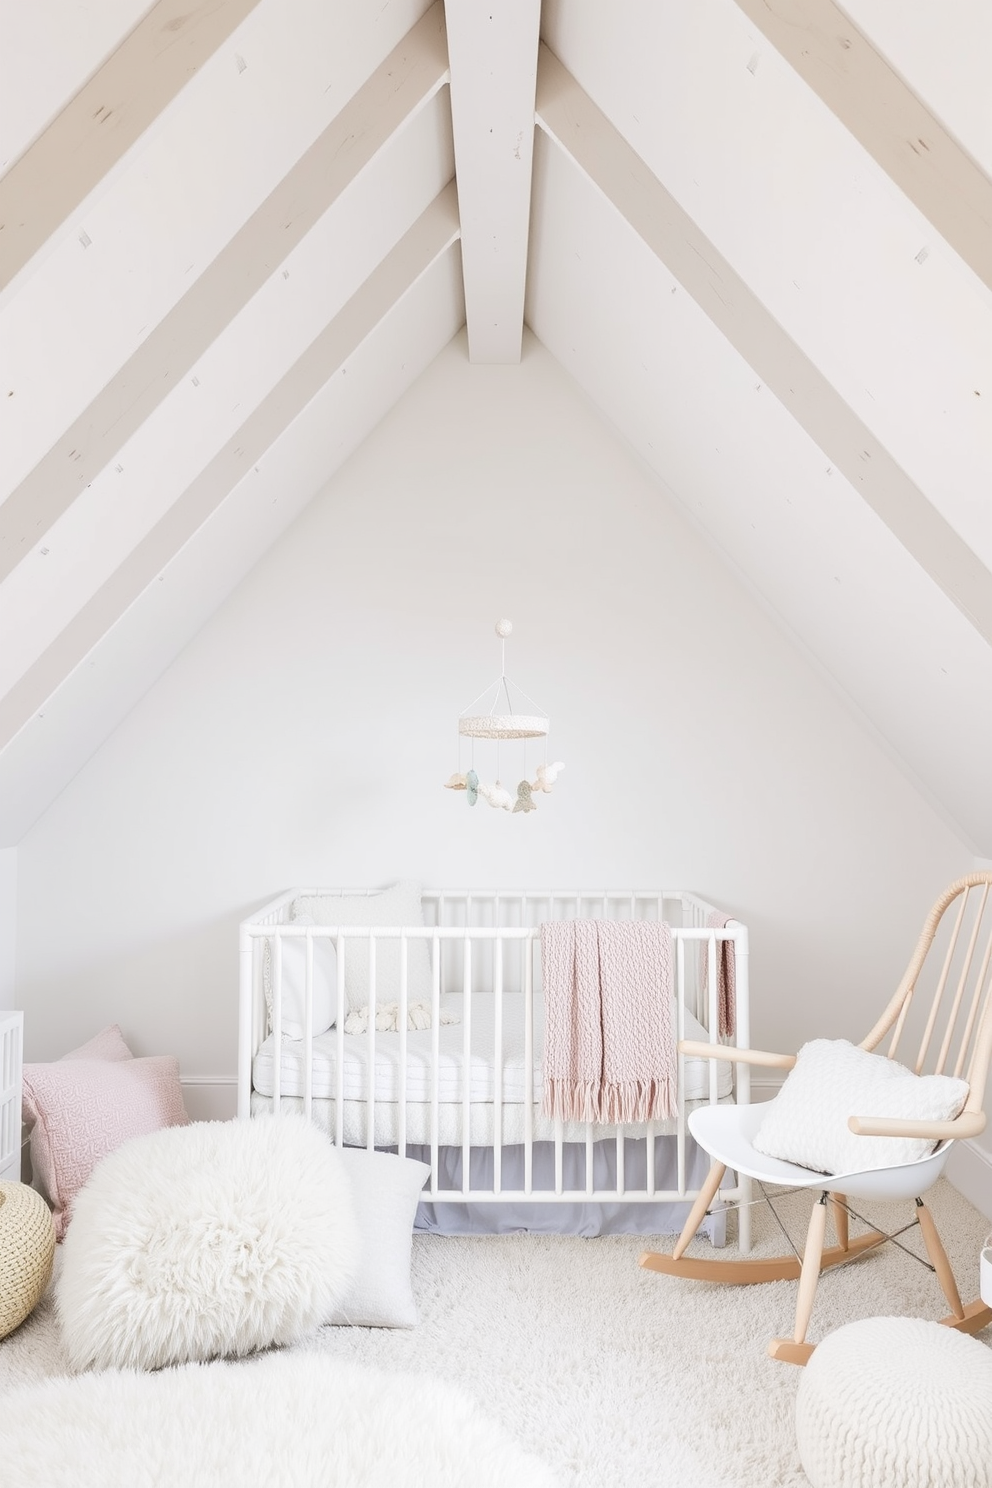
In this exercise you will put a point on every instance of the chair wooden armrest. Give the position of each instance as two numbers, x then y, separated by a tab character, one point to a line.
968	1124
731	1055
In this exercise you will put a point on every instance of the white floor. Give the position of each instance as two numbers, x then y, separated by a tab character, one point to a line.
619	1378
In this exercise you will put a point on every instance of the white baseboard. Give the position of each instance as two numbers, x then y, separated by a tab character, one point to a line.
969	1168
210	1097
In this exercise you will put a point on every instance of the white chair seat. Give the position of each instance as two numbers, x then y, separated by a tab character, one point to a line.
727	1133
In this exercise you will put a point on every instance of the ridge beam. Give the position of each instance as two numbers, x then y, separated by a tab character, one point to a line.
570	118
493	57
429	239
871	100
104	119
398	89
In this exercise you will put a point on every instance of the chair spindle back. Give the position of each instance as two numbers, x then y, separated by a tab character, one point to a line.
956	1037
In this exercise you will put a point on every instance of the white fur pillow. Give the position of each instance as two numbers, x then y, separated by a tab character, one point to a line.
213	1239
832	1080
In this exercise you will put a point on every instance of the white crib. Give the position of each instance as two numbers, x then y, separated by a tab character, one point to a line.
466	1096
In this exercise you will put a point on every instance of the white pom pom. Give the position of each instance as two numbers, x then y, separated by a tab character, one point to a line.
503	628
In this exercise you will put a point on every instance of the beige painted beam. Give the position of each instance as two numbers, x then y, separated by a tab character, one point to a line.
104	119
569	116
430	237
407	79
492	51
883	113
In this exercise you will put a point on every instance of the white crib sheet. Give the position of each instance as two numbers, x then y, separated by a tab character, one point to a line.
389	1080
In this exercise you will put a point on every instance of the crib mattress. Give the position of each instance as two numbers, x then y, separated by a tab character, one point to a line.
417	1086
423	1122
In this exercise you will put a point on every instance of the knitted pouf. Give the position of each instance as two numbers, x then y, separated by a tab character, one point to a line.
27	1249
896	1403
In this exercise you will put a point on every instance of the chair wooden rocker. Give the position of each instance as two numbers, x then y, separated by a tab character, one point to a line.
955	1038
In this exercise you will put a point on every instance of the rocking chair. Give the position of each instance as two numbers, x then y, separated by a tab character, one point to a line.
961	1046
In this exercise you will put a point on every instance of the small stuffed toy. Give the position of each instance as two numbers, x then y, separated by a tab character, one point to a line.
524	802
472	787
457	782
547	775
497	795
387	1017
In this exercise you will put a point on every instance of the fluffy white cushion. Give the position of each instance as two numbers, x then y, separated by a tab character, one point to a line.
398	905
293	982
298	1419
896	1403
386	1190
832	1080
211	1239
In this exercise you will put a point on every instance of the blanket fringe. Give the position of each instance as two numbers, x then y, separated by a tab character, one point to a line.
614	1103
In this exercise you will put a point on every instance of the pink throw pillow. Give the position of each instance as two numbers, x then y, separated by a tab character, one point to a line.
107	1044
81	1107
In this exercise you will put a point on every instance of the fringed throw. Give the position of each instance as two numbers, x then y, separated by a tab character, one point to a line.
726	975
609	1049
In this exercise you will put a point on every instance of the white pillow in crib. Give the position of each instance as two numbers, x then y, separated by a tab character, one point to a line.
833	1079
293	982
398	905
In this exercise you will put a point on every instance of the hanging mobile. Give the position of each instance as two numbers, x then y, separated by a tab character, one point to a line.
499	727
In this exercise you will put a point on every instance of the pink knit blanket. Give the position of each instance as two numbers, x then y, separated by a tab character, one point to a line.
726	974
609	1049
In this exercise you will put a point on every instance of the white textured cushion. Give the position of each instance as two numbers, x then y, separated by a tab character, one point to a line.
293	984
213	1239
832	1080
386	1190
896	1403
399	905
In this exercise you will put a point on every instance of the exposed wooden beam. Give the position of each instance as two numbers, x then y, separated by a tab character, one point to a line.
99	125
883	113
569	116
430	237
408	78
493	55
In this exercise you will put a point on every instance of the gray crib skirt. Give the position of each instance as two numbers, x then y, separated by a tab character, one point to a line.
615	1217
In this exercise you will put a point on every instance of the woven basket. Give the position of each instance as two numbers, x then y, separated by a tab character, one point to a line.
27	1250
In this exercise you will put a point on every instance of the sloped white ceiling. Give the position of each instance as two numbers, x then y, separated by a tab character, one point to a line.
794	337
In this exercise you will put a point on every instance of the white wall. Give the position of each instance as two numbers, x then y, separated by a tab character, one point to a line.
305	733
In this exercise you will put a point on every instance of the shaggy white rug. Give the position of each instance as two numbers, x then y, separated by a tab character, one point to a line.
326	1424
615	1377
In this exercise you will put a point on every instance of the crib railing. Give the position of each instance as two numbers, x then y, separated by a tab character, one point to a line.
483	946
11	1036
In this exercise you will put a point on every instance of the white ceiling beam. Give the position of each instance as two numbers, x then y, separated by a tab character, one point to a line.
493	56
883	113
99	125
398	89
430	237
569	117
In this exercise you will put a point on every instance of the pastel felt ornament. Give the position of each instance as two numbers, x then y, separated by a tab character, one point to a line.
524	802
457	782
497	795
547	775
472	787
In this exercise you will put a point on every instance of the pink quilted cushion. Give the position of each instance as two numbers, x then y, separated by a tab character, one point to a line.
107	1044
80	1109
